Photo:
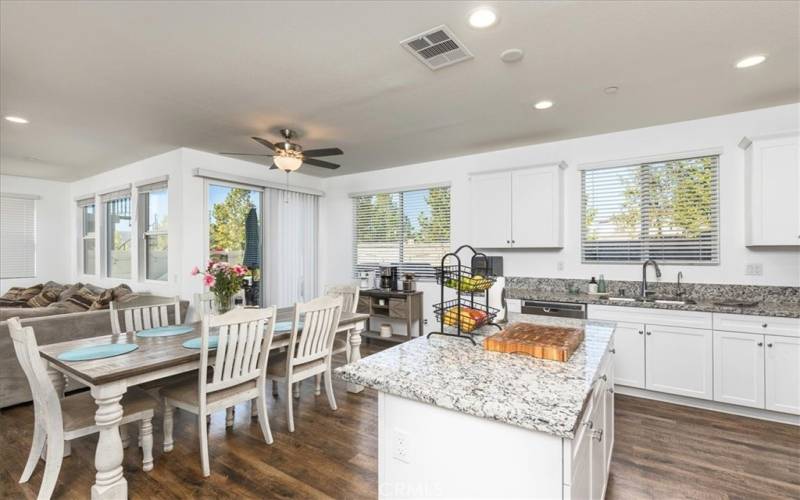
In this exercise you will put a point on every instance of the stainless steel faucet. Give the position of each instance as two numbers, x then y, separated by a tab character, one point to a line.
644	275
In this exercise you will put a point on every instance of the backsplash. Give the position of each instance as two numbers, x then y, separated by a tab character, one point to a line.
695	291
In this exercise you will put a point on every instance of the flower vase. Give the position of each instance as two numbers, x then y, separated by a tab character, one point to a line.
223	302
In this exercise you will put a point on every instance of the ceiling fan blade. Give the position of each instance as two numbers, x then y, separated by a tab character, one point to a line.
264	142
245	154
322	152
273	167
320	163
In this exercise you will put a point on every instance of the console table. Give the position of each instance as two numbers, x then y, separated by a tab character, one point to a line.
387	304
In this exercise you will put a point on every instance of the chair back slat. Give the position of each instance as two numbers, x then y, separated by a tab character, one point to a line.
203	304
47	406
320	321
143	317
349	294
244	340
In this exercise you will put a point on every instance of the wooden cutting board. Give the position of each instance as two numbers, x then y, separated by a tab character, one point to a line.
540	341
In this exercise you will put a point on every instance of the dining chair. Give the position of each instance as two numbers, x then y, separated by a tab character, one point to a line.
310	350
238	373
204	304
349	294
144	316
59	419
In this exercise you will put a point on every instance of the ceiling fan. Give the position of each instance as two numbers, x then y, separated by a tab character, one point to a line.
289	156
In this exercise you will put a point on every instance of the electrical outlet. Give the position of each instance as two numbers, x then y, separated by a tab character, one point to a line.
400	446
425	321
754	270
560	265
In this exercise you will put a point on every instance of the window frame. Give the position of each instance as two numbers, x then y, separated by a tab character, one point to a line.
88	236
107	244
144	233
646	251
402	265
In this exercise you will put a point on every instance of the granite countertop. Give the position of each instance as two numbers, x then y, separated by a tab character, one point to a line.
764	308
536	394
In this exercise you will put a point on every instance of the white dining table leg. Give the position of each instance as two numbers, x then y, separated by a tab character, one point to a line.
355	352
109	481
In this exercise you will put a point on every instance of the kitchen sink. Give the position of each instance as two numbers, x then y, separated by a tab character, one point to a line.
655	300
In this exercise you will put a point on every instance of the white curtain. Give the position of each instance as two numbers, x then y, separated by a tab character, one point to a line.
291	247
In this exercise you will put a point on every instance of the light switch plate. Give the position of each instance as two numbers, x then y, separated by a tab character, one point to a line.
754	270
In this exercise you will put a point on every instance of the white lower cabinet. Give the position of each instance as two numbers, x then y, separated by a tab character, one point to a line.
679	361
629	357
739	368
782	374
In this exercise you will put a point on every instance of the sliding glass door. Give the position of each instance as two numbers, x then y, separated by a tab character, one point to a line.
235	233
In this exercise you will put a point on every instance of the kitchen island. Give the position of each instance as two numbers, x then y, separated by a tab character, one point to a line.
456	420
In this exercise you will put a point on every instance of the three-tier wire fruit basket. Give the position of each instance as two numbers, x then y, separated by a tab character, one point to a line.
470	309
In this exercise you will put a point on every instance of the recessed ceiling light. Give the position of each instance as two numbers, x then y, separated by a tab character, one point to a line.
750	61
543	104
511	55
16	119
482	17
611	90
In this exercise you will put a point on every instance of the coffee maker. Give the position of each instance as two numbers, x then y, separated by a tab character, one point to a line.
389	278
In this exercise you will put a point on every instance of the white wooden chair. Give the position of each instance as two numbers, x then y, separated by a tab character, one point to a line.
144	316
239	373
349	294
61	419
310	351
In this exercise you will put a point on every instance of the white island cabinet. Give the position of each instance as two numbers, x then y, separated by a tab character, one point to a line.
456	421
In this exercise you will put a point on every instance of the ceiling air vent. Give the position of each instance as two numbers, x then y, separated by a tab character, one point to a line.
436	48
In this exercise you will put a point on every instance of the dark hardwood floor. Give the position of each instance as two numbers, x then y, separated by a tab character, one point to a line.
661	451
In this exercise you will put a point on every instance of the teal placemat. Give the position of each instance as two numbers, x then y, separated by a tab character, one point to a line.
165	331
97	352
286	326
194	343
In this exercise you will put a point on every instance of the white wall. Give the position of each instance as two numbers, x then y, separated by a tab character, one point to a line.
781	266
52	229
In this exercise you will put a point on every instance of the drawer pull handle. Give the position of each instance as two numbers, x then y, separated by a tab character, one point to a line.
589	424
598	435
764	325
612	351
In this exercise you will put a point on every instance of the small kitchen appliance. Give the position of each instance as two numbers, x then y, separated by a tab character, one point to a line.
366	280
389	278
409	283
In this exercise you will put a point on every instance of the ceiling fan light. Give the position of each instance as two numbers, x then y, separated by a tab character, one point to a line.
288	163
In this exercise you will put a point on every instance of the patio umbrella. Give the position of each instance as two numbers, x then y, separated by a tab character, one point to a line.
252	257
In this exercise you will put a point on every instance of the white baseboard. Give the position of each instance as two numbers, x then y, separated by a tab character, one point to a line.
744	411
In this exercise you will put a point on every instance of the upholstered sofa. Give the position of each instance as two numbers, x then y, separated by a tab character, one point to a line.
52	325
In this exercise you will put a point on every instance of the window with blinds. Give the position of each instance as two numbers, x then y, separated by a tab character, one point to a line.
17	237
154	247
119	231
88	238
408	229
668	211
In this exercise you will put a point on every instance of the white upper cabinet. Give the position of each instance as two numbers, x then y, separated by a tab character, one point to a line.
521	208
772	190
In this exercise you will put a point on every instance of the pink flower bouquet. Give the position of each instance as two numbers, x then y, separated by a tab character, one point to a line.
224	280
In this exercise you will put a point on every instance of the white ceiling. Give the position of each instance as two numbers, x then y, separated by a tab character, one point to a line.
109	83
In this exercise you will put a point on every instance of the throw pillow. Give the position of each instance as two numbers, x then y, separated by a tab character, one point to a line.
70	291
103	300
30	293
83	298
12	293
121	291
54	286
44	299
12	303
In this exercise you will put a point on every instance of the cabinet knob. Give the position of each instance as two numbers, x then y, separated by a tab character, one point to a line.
604	377
598	435
649	333
612	351
764	325
611	390
508	241
589	424
769	345
640	332
760	344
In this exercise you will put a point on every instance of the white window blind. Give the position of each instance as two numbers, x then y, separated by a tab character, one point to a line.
17	237
409	229
668	211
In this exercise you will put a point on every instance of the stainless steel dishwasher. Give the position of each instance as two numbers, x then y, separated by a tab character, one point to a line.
558	309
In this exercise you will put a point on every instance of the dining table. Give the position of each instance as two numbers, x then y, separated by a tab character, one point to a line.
155	358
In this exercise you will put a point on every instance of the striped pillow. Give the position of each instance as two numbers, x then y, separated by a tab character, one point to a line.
83	298
44	299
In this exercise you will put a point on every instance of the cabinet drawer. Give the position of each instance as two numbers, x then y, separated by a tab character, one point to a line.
398	309
363	305
630	314
767	325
